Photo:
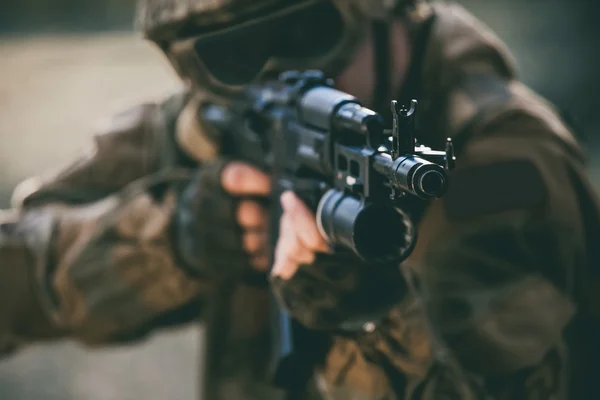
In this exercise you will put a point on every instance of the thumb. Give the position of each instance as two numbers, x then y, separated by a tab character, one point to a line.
195	137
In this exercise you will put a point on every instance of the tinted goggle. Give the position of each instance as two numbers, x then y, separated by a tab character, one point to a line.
236	56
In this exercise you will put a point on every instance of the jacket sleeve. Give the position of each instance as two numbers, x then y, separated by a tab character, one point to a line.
495	268
491	279
87	252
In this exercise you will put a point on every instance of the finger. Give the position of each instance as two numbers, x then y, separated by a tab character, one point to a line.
260	263
290	253
304	222
242	179
289	246
255	242
284	269
252	215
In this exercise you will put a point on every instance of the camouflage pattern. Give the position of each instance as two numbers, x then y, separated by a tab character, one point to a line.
493	285
175	24
95	233
161	19
496	297
339	289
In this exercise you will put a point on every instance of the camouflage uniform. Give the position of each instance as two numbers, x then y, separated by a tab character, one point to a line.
498	284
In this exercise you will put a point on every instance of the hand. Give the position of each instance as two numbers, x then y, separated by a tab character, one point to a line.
323	289
299	237
220	230
239	179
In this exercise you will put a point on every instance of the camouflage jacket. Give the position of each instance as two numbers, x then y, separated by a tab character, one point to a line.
501	291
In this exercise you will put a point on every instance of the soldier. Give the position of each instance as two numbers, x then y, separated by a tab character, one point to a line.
152	227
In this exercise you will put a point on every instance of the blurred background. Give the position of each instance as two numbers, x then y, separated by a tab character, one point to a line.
67	64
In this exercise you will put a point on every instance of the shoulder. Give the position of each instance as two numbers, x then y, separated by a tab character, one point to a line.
129	145
472	77
142	127
506	119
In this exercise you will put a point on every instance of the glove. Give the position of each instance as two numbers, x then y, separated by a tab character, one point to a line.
340	291
210	240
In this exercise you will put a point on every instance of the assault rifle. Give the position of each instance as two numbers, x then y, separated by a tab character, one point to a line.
360	178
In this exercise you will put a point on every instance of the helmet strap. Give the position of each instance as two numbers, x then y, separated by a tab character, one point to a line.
382	61
412	86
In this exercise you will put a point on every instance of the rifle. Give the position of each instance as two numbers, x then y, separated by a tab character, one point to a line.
361	179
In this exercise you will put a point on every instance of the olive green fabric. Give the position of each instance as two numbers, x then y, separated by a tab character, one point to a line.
497	257
494	300
176	25
497	281
170	19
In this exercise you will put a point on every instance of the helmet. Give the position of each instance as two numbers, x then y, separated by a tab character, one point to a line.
164	18
221	45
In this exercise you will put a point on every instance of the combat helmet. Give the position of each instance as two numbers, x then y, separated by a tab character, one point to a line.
221	45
